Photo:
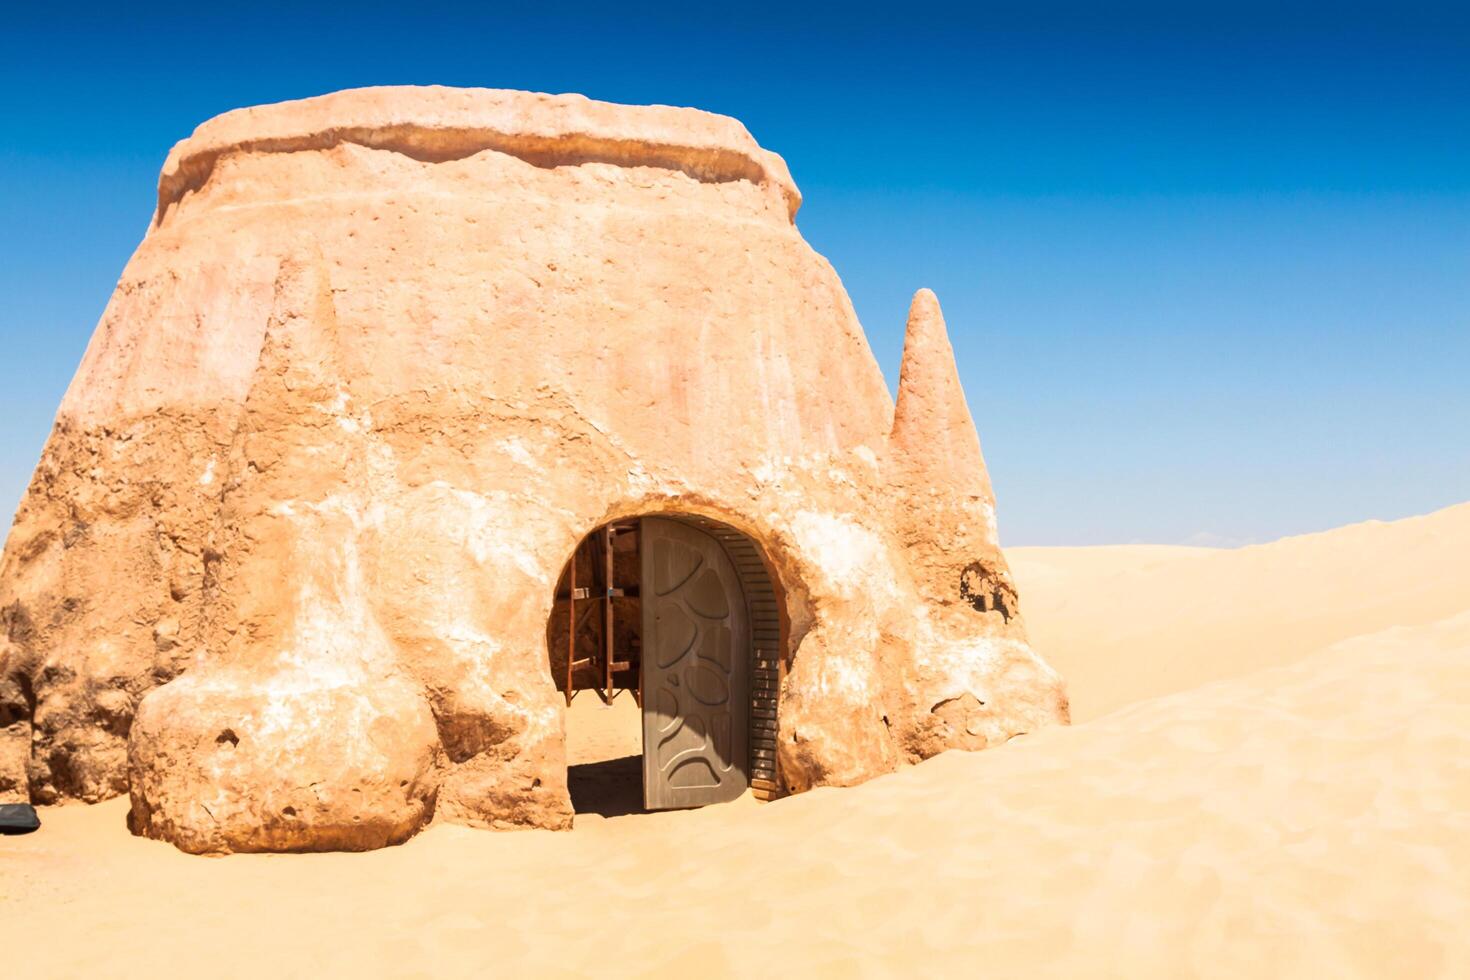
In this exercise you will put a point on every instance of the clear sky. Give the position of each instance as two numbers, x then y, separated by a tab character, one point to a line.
1206	267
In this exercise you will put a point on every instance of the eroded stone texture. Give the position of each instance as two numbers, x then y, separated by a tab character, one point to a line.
382	359
970	679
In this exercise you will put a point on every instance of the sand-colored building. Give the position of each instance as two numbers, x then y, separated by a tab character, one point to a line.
419	410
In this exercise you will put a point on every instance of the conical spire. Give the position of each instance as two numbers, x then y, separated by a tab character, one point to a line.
932	428
944	510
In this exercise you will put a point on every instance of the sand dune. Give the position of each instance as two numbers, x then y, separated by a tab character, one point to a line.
1312	819
1132	622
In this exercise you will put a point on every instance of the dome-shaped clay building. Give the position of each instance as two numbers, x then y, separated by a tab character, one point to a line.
418	410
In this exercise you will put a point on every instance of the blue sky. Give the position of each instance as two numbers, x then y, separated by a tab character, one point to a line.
1206	267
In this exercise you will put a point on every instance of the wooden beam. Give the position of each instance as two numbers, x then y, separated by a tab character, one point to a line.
572	623
607	614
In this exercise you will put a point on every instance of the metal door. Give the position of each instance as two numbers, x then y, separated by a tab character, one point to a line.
696	668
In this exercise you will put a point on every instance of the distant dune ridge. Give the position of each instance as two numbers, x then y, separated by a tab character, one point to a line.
1282	789
1125	623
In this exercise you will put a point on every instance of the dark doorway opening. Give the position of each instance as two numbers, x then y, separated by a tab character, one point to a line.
673	623
595	636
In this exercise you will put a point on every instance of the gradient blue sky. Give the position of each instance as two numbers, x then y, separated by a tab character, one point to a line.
1206	267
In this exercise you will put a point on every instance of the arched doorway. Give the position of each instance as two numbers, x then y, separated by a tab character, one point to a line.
679	613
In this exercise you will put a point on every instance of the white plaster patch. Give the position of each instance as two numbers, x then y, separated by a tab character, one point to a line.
345	420
968	664
341	504
207	477
489	537
768	470
992	529
841	677
515	447
848	554
641	482
478	652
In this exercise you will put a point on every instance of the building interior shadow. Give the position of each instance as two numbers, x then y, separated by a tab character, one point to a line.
610	788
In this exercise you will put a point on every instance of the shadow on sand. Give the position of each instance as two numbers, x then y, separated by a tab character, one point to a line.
611	788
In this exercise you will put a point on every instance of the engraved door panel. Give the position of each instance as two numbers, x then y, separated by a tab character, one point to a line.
696	662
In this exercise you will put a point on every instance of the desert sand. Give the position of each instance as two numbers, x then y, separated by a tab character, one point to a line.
1132	622
1270	777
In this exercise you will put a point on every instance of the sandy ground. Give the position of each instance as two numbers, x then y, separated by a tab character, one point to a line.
1127	623
1308	815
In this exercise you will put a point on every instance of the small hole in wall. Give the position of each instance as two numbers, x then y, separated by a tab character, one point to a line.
228	736
535	784
289	811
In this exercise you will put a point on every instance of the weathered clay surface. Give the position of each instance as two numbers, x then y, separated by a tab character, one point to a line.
382	359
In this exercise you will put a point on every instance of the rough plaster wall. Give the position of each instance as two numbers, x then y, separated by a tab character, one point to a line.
351	408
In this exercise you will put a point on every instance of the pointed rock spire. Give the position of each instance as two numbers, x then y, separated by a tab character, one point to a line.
944	509
932	428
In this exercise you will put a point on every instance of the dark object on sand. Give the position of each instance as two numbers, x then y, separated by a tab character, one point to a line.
18	818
